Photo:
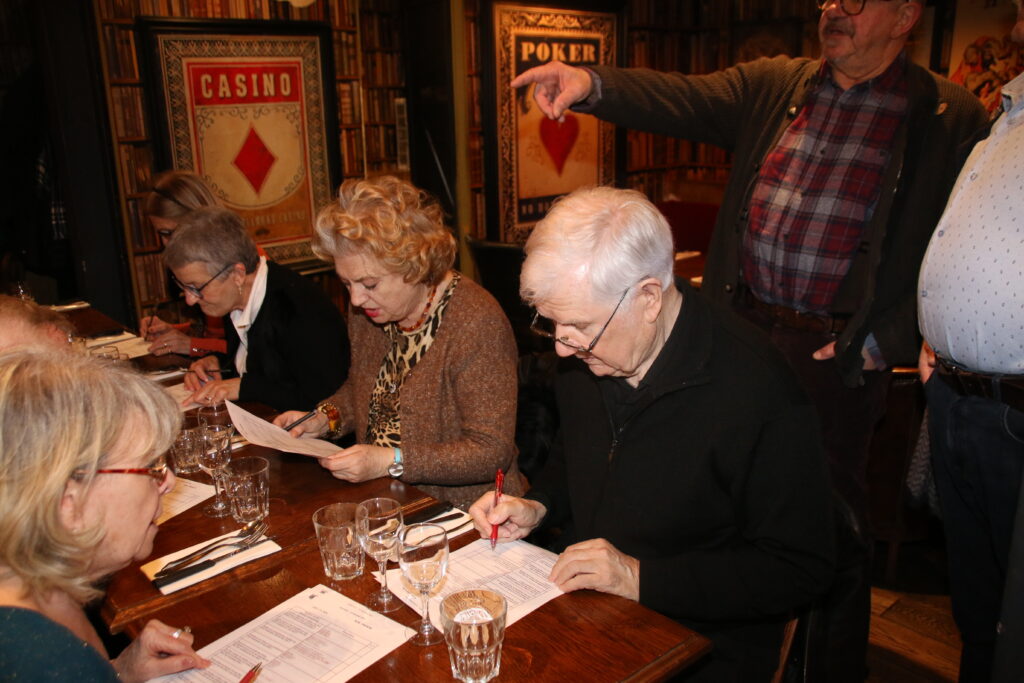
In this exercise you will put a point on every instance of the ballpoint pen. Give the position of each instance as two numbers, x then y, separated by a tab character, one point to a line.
499	480
302	419
252	674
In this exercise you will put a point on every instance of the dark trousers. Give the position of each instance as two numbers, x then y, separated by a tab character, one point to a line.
848	419
978	457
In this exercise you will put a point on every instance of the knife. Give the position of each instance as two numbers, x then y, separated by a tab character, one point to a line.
426	513
447	518
196	568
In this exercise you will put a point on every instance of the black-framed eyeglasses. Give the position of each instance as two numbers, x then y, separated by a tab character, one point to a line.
157	472
197	292
850	7
546	328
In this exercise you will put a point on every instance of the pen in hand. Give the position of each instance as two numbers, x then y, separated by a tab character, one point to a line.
252	674
499	480
302	419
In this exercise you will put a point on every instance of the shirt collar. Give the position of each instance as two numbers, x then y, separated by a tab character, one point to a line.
244	318
893	79
1013	94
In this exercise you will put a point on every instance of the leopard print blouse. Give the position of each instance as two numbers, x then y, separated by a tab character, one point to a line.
384	426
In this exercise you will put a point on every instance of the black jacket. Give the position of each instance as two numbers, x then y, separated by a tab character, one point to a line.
298	346
716	483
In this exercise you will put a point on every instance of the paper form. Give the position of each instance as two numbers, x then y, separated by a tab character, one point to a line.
318	635
262	433
179	393
127	343
186	493
518	571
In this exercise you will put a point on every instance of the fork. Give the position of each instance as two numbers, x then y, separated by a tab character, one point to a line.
247	533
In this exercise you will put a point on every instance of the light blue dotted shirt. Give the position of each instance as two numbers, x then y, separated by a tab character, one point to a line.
971	290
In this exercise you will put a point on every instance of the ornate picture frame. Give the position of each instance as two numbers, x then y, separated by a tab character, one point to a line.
248	106
538	159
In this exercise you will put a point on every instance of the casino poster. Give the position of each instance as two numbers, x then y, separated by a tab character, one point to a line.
540	159
248	116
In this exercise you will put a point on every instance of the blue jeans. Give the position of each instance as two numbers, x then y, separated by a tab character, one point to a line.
978	456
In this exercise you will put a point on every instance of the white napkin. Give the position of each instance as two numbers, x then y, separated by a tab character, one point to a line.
453	524
262	550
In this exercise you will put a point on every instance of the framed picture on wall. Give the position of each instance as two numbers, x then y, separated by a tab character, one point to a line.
539	159
248	106
982	57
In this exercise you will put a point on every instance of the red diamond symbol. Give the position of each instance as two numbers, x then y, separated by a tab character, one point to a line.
254	160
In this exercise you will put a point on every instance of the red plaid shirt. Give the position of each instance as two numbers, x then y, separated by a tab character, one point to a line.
817	189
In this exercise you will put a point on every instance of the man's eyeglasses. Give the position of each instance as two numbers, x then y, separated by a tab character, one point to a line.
158	471
850	7
197	292
546	328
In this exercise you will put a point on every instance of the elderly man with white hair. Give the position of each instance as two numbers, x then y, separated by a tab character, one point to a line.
688	473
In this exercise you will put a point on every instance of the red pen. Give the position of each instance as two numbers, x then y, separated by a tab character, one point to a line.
252	674
499	480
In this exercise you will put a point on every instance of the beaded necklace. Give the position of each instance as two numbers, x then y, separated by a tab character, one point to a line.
423	315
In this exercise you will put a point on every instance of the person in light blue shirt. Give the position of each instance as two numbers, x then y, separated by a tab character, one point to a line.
971	312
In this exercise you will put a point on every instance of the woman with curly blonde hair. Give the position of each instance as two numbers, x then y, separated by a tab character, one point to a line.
431	392
82	448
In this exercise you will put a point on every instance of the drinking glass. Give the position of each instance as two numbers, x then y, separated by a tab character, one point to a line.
185	452
338	540
213	459
423	557
247	481
474	627
217	414
378	521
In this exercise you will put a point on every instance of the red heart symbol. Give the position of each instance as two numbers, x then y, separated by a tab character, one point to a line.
559	137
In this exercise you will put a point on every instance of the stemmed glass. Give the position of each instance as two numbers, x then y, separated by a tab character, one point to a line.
214	458
423	556
378	521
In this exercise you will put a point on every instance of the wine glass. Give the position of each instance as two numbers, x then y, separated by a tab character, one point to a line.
213	459
217	414
423	557
378	521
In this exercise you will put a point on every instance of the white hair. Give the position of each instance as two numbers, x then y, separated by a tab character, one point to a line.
610	238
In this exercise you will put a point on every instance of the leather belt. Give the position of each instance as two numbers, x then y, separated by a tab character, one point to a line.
797	320
1008	389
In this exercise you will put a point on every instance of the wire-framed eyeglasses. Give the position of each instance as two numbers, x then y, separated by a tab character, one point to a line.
546	328
197	292
850	7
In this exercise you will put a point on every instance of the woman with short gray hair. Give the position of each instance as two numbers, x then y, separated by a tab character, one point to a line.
286	340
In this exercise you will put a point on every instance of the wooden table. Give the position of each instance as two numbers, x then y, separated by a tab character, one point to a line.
583	635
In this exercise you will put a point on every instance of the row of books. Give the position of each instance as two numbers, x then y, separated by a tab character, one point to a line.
664	13
646	149
122	62
380	30
380	143
343	13
348	102
346	54
695	53
128	110
150	278
351	143
382	68
143	235
761	10
210	9
136	167
380	104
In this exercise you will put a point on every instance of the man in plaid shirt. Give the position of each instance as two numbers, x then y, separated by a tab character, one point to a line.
841	168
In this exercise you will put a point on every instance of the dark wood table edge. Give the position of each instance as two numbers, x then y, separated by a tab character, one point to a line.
675	661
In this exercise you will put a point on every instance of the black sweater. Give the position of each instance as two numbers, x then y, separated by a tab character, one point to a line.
717	482
298	346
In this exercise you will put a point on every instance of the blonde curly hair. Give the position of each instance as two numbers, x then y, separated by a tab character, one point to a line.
389	219
61	415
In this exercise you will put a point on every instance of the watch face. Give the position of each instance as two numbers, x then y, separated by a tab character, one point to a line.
396	469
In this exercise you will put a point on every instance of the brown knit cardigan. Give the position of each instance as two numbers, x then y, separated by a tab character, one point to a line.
458	404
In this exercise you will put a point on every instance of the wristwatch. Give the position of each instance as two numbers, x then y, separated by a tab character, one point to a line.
396	468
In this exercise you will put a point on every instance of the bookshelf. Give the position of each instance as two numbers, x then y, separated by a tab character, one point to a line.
368	81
